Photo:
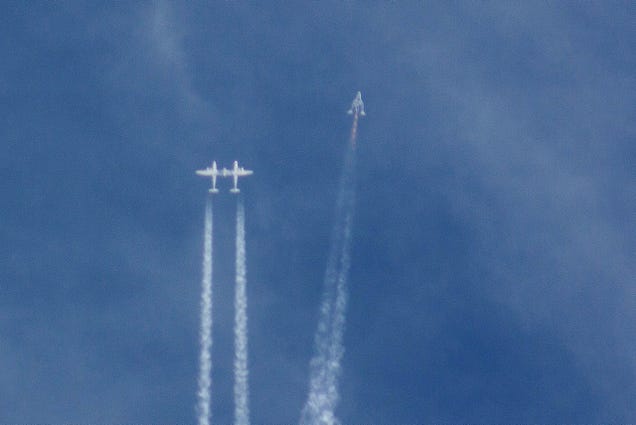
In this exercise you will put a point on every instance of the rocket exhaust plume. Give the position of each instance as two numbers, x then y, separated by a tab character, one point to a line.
205	333
329	348
357	109
354	131
241	389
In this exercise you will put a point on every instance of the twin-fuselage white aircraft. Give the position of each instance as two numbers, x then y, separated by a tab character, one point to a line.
211	172
235	173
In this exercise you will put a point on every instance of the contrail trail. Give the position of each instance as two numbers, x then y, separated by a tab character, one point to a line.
205	334
329	348
241	389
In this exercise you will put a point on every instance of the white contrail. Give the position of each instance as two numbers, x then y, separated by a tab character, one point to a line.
241	389
329	349
205	334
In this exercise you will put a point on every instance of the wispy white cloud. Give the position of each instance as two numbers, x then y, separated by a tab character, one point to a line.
534	173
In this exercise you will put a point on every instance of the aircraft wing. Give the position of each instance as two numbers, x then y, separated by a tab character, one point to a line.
206	172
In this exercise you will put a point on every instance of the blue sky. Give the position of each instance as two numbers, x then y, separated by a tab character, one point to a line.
493	260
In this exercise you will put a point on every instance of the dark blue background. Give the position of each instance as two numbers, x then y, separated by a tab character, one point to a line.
494	252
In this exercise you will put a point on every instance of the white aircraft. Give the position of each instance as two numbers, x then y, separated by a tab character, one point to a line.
214	173
236	172
357	105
